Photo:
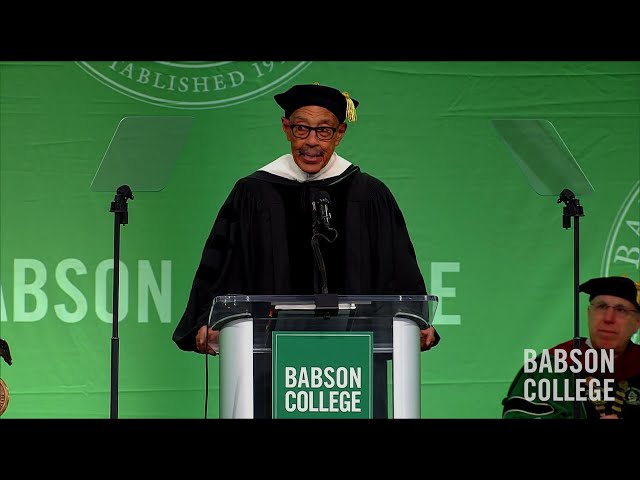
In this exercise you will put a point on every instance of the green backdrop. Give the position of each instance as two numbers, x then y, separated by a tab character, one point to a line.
493	250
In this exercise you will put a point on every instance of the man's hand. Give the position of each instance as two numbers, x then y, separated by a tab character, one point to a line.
210	345
427	338
611	416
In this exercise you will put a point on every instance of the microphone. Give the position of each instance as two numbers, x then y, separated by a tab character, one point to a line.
320	202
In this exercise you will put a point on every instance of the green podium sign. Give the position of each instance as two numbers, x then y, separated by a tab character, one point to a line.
322	374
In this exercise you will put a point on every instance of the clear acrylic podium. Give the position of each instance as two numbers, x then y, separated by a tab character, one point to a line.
248	325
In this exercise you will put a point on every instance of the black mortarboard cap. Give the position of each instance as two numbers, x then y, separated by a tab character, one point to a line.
339	103
622	287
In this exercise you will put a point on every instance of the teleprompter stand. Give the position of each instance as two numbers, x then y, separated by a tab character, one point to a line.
550	168
140	156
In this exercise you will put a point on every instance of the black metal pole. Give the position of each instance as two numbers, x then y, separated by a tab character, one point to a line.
119	208
576	302
576	282
574	210
114	335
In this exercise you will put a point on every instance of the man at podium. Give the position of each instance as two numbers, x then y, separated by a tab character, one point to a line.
261	242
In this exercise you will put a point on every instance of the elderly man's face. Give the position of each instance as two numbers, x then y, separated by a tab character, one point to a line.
612	322
313	153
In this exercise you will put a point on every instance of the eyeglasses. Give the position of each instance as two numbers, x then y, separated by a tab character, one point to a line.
303	131
619	310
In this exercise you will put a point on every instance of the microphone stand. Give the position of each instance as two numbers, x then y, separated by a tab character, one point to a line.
119	208
318	256
573	209
325	301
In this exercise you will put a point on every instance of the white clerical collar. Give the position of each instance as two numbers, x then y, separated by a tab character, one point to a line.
286	167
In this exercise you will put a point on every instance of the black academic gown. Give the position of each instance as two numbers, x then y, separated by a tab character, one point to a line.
260	245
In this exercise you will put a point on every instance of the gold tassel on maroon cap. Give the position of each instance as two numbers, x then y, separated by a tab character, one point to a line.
351	108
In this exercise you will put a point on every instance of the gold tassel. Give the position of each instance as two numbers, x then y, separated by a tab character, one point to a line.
351	109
